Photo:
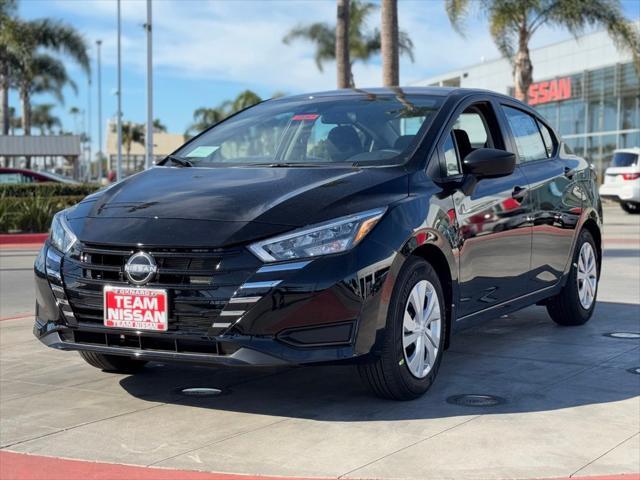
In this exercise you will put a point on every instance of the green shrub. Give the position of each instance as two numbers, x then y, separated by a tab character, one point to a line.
47	189
32	213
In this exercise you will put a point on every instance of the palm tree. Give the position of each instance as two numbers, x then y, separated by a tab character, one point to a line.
389	40
513	22
75	112
343	64
362	44
158	126
42	118
244	100
131	133
23	42
7	11
204	117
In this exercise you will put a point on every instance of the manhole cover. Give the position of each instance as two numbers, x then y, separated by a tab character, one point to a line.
475	400
624	335
635	370
201	392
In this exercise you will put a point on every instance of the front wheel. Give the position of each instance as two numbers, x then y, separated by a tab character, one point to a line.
112	363
414	337
630	207
576	301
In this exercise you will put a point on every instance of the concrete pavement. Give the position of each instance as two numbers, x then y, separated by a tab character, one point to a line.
572	408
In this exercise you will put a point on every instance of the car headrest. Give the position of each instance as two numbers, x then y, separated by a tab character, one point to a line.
462	140
343	142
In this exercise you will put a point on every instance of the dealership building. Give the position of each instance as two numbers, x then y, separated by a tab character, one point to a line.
588	90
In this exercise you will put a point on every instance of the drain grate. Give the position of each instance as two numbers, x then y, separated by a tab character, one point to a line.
635	370
476	400
623	335
201	392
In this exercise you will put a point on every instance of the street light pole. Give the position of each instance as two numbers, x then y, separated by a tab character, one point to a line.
119	114
148	161
99	43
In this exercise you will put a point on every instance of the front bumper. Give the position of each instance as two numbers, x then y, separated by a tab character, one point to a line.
326	311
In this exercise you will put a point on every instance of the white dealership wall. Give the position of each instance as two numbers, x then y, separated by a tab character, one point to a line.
588	52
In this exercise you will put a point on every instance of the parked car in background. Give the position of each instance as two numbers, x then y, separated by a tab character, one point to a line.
622	179
22	175
347	226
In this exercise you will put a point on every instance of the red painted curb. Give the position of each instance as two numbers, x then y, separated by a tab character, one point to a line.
17	316
21	466
22	238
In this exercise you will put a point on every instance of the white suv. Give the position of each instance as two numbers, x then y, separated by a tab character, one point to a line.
622	179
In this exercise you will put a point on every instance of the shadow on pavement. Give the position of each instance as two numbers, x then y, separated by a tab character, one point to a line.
525	358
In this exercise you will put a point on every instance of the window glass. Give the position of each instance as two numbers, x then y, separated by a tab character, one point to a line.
548	139
471	122
11	178
450	156
352	129
526	135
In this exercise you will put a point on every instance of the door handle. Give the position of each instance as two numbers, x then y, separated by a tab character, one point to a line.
518	193
569	172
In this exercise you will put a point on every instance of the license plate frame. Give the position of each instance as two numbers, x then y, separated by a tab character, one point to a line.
141	316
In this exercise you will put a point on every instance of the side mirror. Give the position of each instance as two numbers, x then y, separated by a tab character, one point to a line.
489	163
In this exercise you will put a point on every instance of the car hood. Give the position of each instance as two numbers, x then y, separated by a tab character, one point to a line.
222	206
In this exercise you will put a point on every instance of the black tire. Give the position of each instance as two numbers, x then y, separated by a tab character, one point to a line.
631	207
565	308
113	363
387	374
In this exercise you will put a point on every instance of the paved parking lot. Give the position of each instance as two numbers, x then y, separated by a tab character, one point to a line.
572	405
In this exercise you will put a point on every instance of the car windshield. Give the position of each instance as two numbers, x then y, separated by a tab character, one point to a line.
624	159
369	130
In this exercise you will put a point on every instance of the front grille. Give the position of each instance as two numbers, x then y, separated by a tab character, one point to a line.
199	282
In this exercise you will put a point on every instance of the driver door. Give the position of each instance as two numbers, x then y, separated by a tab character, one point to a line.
494	224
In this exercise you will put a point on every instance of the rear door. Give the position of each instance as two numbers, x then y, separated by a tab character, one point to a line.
493	219
556	193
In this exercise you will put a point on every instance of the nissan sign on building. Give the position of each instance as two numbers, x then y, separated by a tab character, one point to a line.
586	88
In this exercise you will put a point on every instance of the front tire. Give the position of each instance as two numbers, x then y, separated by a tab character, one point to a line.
112	363
414	337
631	207
576	301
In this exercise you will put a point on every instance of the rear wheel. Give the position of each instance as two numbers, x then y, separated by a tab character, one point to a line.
414	336
113	363
630	207
576	301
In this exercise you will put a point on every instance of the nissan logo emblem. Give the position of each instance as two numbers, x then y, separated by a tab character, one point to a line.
140	268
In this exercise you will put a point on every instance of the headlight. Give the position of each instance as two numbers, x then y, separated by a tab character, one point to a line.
335	236
61	235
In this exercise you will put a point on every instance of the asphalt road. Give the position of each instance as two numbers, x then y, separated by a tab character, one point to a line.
572	406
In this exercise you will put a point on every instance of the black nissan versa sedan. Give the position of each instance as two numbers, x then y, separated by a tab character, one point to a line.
358	226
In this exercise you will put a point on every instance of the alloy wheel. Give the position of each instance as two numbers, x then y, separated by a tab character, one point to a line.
587	276
421	329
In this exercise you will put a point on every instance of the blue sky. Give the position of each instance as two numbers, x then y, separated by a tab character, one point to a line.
206	52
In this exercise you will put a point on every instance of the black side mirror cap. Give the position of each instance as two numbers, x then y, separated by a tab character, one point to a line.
489	163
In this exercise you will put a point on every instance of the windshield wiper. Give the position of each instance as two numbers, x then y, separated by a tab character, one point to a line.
179	160
285	165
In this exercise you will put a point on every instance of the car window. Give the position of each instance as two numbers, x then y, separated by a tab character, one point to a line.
548	139
473	125
526	135
11	178
624	159
452	165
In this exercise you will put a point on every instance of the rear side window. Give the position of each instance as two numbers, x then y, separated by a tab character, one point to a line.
526	135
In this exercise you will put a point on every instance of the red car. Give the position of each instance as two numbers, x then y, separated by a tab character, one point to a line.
22	175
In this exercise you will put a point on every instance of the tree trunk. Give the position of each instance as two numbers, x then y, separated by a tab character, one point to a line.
4	100
522	67
26	117
343	63
389	44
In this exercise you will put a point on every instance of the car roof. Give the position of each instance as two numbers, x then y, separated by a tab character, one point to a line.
384	91
635	150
